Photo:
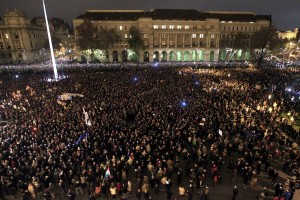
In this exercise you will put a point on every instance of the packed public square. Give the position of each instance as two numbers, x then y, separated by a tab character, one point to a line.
170	131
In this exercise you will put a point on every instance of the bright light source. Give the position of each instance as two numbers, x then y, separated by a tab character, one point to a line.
228	75
135	78
183	104
156	64
17	76
292	99
270	96
288	89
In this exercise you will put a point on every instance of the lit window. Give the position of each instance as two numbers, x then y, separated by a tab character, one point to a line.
179	26
222	21
6	35
212	35
155	26
145	36
121	28
251	22
193	35
201	35
186	27
164	26
125	35
171	27
230	21
130	36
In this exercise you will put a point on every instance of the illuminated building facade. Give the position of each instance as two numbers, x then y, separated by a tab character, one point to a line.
58	28
289	34
20	40
177	34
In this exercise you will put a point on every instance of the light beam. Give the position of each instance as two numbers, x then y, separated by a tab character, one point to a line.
50	43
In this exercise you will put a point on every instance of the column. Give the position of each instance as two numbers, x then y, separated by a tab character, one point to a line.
110	56
176	40
160	40
119	56
207	40
151	56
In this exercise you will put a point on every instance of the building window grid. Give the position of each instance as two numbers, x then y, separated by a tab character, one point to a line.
163	26
201	35
171	27
194	35
186	27
179	27
155	26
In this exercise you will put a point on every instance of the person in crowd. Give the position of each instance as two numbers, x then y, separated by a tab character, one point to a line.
235	192
145	133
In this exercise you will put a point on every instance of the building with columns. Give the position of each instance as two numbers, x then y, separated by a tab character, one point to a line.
20	40
177	34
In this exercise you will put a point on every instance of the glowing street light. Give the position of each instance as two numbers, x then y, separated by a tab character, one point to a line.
50	43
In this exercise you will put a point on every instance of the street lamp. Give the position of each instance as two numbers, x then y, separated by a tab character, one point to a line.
50	43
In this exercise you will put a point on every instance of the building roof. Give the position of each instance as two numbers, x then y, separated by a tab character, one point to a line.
172	14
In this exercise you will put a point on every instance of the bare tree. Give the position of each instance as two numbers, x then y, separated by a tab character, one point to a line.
135	42
263	39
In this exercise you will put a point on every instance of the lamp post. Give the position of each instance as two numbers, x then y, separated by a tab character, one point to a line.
50	43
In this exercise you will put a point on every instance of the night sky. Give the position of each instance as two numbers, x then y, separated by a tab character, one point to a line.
285	13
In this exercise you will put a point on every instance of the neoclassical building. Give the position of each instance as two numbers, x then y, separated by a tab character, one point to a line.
20	40
25	40
57	26
177	34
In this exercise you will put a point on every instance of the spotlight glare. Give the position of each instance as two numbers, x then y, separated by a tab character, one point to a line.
183	104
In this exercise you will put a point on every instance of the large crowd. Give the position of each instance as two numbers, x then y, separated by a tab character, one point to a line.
137	132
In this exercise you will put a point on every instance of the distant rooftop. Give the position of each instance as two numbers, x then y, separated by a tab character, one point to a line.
172	14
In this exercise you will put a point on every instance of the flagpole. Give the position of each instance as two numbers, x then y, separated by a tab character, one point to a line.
50	43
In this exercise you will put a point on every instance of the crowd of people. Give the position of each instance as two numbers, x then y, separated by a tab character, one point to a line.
140	132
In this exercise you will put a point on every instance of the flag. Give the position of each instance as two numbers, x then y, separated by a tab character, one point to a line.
82	136
86	117
220	133
107	173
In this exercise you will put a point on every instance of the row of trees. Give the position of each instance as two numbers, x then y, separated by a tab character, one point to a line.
89	37
259	43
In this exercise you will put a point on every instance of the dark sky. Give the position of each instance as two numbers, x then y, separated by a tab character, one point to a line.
285	13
